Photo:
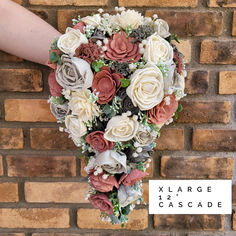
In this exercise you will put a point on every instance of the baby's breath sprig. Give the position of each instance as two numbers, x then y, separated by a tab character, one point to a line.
163	68
89	30
128	30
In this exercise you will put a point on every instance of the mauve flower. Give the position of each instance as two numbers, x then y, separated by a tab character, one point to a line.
107	84
88	52
103	185
74	73
163	112
120	48
97	141
134	176
102	202
55	88
60	111
127	195
80	26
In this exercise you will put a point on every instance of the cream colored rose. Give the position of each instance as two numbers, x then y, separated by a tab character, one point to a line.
71	40
82	106
144	137
130	17
76	128
92	20
146	89
158	50
162	28
121	128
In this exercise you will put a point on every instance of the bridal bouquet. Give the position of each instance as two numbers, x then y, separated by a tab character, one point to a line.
117	80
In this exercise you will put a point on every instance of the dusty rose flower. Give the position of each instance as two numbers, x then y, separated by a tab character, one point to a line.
163	112
103	185
80	26
55	88
102	202
88	52
132	178
120	48
98	142
107	84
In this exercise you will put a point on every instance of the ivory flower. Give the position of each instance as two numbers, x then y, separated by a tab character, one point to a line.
92	20
71	40
75	127
130	17
121	129
158	50
82	106
146	89
162	28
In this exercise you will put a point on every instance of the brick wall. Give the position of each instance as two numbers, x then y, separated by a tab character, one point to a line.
42	182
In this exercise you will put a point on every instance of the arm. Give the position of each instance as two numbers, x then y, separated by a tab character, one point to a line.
24	34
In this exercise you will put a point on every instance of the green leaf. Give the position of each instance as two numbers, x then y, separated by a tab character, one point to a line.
176	115
97	65
180	108
175	37
59	100
124	82
54	57
107	109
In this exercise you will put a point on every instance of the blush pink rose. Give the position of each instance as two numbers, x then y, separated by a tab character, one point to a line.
55	88
103	185
162	112
107	84
80	26
132	178
102	202
120	48
97	141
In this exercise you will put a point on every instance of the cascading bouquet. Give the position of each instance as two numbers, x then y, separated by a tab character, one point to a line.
117	80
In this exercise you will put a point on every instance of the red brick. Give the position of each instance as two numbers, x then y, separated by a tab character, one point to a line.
11	138
158	3
34	218
227	82
90	219
184	46
21	80
12	234
18	1
63	234
197	167
234	194
234	24
9	192
221	3
214	140
56	192
69	2
234	221
50	138
41	166
28	110
189	222
5	57
171	139
41	13
197	82
186	23
1	166
205	112
218	52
